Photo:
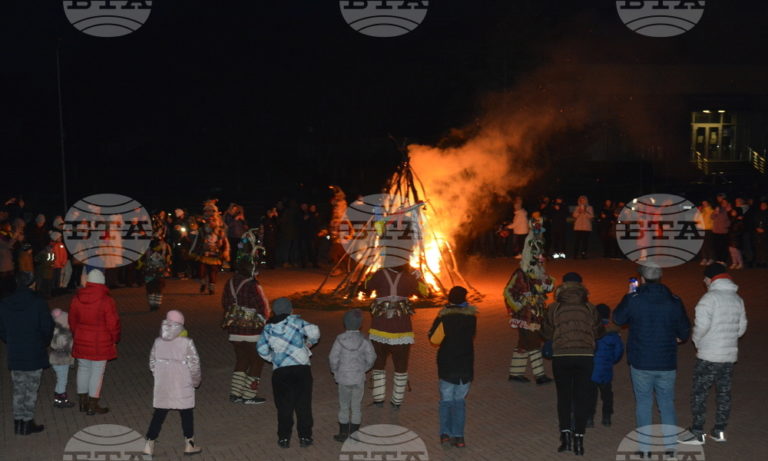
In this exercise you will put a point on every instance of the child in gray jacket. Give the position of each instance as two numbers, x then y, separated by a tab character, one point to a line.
351	356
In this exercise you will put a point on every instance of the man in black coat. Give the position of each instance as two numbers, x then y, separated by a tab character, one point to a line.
455	362
26	327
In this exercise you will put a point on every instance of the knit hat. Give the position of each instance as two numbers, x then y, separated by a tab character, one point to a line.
96	276
604	311
175	316
54	235
282	306
457	295
572	277
650	271
353	319
714	269
40	219
60	317
58	222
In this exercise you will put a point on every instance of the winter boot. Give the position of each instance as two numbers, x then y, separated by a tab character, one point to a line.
17	426
378	386
398	391
83	402
202	288
94	408
578	444
29	427
211	288
61	401
190	448
353	428
149	447
343	432
565	441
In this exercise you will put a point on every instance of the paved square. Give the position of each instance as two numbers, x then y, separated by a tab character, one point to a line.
505	421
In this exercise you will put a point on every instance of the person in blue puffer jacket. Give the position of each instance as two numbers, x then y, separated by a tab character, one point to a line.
608	351
657	324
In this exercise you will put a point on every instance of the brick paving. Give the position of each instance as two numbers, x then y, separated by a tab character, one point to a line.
504	420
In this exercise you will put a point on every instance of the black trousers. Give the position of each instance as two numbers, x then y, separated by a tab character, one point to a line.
720	244
580	243
606	394
292	389
158	418
573	378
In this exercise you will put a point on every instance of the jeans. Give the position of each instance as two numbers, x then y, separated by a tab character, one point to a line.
452	408
645	383
573	379
62	373
90	374
292	389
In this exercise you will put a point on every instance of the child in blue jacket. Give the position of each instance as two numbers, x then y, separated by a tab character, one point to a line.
608	352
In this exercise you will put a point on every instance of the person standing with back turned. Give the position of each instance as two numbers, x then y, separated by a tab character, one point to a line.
657	323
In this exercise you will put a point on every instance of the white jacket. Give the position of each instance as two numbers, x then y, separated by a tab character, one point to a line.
720	321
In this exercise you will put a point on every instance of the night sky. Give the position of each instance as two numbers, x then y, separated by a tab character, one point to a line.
254	100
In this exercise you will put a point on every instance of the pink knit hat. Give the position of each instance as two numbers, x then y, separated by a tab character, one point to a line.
175	316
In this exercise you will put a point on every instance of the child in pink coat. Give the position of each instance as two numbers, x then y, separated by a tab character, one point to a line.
176	367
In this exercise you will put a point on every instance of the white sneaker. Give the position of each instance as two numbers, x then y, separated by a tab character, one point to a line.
692	438
717	435
149	447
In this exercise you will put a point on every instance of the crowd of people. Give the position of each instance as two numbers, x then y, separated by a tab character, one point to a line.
579	337
735	230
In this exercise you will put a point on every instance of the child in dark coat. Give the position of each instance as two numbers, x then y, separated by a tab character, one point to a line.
608	352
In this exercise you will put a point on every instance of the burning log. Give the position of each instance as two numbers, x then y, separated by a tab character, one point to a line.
366	240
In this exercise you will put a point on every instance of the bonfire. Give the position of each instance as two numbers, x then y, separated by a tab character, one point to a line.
431	252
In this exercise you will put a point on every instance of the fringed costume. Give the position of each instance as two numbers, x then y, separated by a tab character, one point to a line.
525	296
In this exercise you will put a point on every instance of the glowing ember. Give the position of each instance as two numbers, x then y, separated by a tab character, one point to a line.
361	295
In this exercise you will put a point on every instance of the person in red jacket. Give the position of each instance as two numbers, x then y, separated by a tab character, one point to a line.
95	327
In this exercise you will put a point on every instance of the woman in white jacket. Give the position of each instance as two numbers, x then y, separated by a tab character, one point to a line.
175	365
720	321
